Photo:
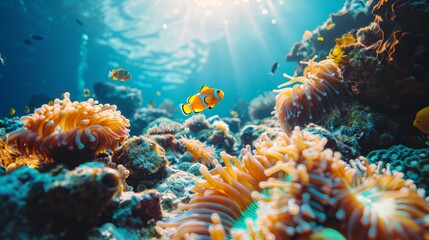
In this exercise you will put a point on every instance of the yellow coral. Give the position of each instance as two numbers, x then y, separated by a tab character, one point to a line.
337	53
69	130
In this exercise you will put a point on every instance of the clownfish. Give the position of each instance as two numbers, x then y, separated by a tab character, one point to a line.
422	120
120	74
206	98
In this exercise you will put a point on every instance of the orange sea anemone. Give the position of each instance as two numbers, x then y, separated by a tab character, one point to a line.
291	187
378	204
198	150
70	131
312	95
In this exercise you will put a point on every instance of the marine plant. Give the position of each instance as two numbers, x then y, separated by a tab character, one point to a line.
70	131
198	150
312	95
291	187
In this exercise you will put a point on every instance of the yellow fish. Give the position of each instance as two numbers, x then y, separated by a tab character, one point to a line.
86	92
422	120
319	38
330	26
12	111
206	98
27	109
120	74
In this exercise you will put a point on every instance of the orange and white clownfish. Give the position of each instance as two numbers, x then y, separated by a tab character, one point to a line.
206	98
120	74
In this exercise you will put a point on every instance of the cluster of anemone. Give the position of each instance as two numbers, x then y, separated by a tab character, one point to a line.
290	187
165	128
308	98
198	150
262	106
68	130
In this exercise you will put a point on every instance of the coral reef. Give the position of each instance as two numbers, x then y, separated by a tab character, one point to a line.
262	106
404	39
145	160
353	15
143	116
8	125
294	186
414	163
164	127
176	189
57	204
70	132
136	210
314	94
127	99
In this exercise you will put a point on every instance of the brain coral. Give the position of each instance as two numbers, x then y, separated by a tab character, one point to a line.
290	187
70	130
315	94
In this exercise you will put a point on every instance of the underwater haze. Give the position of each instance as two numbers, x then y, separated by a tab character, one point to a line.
170	46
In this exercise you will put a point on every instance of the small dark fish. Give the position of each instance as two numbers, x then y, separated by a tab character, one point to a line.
274	68
27	41
37	37
79	22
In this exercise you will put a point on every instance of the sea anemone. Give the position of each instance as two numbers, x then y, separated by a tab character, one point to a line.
198	150
221	125
70	131
312	95
197	123
292	187
378	204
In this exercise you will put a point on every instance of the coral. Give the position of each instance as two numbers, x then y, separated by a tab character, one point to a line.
290	187
197	123
233	123
144	158
353	15
57	204
169	106
136	210
262	106
175	189
8	125
127	99
165	127
313	95
404	39
198	150
337	53
414	163
70	132
143	116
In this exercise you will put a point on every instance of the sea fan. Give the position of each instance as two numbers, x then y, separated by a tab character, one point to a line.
312	95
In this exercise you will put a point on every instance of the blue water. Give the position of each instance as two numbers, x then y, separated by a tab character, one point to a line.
170	46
